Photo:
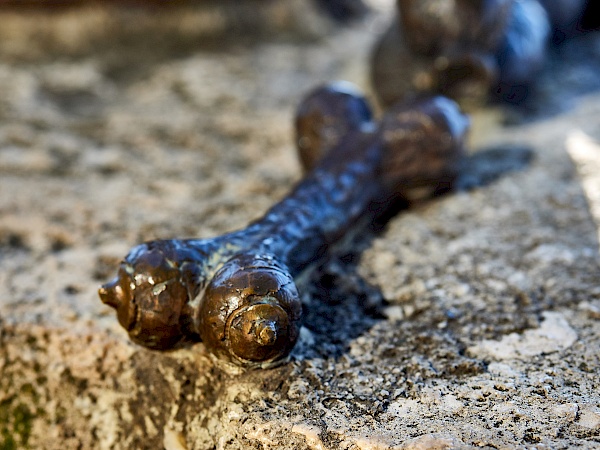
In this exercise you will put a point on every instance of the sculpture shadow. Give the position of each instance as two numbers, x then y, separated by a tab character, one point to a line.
339	304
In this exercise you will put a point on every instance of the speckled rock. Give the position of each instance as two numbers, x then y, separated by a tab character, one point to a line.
469	321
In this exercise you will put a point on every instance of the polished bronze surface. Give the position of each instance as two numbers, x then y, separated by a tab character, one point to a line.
236	292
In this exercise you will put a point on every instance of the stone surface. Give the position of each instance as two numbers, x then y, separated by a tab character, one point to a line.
469	321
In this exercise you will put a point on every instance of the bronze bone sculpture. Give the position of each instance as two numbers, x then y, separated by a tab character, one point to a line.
466	49
236	293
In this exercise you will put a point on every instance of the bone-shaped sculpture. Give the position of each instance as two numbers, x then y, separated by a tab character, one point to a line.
236	292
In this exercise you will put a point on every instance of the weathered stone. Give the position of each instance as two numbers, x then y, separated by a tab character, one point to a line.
99	152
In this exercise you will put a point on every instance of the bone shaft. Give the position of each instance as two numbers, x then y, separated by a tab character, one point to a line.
299	229
413	145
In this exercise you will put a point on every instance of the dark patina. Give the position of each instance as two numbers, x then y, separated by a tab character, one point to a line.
236	292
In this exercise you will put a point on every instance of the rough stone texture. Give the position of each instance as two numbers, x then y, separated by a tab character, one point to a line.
472	320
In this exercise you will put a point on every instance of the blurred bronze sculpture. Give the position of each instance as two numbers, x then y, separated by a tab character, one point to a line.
236	292
466	49
564	14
